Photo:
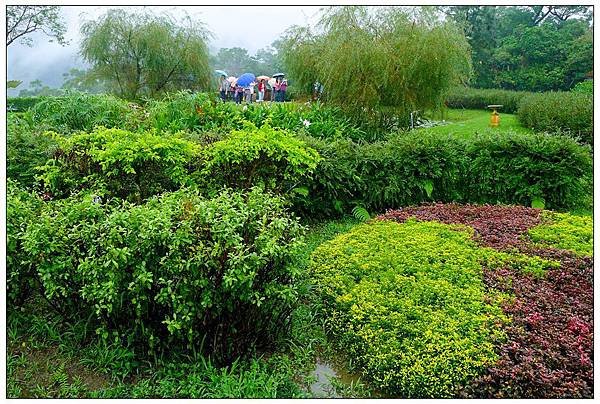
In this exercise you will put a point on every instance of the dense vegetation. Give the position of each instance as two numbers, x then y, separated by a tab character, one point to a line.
367	60
570	112
174	245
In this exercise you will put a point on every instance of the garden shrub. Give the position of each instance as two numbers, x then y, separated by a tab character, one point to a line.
584	87
492	167
22	104
82	111
559	111
407	303
565	231
176	272
479	98
272	158
22	209
131	165
26	148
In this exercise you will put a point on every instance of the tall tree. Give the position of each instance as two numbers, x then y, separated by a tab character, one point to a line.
142	54
21	21
382	58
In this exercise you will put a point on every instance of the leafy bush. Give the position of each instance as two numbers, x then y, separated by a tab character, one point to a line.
407	302
81	111
559	111
584	87
565	231
22	208
22	104
492	167
479	98
268	157
26	148
178	271
132	165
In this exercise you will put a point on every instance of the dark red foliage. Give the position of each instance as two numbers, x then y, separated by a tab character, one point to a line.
549	347
495	226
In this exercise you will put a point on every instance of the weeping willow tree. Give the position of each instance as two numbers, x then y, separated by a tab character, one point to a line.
142	54
371	61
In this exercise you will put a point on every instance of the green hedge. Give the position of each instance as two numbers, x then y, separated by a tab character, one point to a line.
128	165
22	104
406	302
475	98
568	112
177	272
490	167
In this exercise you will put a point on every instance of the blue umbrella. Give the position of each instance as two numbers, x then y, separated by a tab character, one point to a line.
221	73
245	79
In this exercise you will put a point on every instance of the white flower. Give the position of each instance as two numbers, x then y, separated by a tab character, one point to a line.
245	107
306	123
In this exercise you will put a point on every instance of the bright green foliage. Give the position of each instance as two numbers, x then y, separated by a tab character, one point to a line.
490	167
585	87
178	271
478	98
407	303
22	208
80	111
268	157
565	231
559	111
132	165
26	149
369	59
142	54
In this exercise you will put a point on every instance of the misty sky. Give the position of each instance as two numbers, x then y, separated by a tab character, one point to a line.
250	27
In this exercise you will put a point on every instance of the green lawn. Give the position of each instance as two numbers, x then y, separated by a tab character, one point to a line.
469	121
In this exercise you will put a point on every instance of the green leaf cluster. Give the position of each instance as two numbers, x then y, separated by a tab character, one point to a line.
407	303
177	271
80	111
22	104
569	112
130	165
22	209
274	159
565	231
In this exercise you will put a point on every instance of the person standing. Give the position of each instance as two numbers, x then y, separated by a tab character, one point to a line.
282	89
223	88
248	94
261	91
276	88
238	94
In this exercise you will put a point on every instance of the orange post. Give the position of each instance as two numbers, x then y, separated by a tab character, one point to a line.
495	119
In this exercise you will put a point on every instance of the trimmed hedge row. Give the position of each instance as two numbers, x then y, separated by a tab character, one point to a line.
22	104
572	113
476	98
491	167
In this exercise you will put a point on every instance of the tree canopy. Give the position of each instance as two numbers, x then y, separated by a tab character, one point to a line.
21	21
382	58
533	48
142	54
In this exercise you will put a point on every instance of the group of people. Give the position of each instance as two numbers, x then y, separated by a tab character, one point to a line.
237	93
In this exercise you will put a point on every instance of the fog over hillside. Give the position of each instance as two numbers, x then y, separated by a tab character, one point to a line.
250	27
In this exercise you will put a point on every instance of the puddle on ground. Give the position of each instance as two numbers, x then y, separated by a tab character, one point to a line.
324	373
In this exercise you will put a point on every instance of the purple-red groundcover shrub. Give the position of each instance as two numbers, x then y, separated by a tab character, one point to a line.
548	352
